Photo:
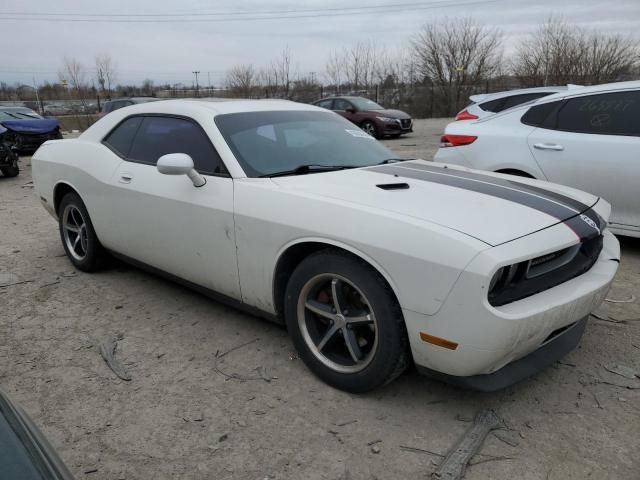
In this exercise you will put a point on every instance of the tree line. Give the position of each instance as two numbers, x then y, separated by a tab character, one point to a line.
433	74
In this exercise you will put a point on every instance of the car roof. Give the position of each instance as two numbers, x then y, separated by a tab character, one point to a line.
14	108
194	108
219	106
483	97
605	87
347	97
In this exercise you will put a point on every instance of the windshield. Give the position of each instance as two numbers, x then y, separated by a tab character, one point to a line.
365	104
18	114
267	143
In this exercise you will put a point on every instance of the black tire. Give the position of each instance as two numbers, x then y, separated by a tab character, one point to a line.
387	358
370	127
94	253
13	169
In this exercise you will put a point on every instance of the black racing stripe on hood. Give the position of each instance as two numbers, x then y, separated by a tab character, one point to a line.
587	225
565	209
558	197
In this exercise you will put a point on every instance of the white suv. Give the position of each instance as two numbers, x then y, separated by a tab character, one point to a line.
587	138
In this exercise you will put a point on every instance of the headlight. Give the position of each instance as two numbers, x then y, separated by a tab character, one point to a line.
523	279
386	119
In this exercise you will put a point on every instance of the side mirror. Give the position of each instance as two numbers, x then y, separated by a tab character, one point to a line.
180	164
350	110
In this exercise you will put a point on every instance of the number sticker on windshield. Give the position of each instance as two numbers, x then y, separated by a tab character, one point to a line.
358	133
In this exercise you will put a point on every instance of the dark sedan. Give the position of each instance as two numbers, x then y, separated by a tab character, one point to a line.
26	130
374	119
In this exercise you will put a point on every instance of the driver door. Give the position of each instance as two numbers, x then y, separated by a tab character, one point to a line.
165	221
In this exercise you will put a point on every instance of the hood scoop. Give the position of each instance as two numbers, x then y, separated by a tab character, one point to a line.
393	186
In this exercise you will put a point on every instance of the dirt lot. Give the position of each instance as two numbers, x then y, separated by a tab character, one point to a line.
256	412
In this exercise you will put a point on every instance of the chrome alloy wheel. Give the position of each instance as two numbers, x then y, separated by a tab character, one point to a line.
337	323
74	230
369	128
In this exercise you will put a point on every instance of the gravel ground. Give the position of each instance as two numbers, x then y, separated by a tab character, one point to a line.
190	412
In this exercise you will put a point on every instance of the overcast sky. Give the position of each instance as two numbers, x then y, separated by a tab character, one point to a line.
146	39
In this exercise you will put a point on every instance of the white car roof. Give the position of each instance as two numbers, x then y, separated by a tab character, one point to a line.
482	97
199	109
220	106
605	87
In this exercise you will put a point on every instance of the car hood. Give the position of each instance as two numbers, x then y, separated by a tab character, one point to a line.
391	113
492	208
37	125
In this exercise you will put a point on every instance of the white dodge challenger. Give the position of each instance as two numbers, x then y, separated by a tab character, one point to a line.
289	211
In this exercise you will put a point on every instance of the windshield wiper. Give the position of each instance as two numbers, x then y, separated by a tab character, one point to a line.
311	168
394	160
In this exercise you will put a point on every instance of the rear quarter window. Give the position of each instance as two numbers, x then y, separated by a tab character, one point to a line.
121	137
537	114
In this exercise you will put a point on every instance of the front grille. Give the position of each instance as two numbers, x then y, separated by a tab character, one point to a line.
536	277
406	123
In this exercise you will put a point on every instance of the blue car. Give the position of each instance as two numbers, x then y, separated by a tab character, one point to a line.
26	130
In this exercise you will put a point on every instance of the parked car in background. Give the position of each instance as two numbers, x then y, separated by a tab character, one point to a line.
25	454
26	130
290	211
588	138
111	105
8	157
374	119
484	105
55	109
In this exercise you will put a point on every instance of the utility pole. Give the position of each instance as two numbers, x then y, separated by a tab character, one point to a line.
196	74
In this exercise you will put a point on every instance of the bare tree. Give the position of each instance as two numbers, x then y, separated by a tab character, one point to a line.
360	65
559	53
74	74
276	77
241	79
147	87
334	68
106	72
456	56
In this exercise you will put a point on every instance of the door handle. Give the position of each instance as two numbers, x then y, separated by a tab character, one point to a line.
548	146
125	178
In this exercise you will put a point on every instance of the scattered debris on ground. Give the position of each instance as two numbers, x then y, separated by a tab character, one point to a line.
108	348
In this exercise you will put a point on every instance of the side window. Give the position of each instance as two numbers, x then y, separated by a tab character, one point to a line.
121	137
523	98
537	114
341	105
492	105
158	136
605	114
325	104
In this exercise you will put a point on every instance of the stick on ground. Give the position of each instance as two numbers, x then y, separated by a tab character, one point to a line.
455	463
108	352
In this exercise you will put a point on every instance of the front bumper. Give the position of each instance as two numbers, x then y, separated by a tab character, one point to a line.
31	142
398	127
545	356
490	338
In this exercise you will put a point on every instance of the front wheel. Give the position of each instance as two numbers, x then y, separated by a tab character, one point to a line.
78	237
345	322
12	170
369	127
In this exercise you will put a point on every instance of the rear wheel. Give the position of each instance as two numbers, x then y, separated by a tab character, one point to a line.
369	127
345	322
78	237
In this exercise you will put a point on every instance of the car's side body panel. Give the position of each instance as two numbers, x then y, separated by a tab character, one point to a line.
419	263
